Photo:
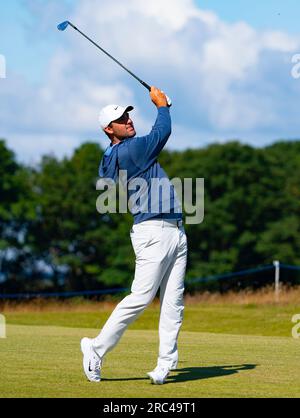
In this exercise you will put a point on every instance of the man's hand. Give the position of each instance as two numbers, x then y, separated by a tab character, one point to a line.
158	97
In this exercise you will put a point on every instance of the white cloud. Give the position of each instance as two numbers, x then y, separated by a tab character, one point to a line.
279	41
226	80
30	147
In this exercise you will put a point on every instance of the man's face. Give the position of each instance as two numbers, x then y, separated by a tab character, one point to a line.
121	128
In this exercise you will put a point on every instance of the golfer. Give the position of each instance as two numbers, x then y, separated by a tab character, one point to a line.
157	235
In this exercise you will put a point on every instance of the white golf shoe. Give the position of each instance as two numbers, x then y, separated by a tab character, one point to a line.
159	375
91	362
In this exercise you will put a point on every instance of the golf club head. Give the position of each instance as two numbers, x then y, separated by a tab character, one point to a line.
63	26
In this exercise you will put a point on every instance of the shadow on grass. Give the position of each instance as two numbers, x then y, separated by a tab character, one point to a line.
195	373
198	373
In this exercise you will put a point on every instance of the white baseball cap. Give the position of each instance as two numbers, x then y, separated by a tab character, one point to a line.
112	112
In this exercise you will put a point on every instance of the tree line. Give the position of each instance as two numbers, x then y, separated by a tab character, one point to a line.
53	239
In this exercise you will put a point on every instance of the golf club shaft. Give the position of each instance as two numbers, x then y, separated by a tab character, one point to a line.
114	59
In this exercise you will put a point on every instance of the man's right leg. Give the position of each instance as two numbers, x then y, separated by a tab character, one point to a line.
126	312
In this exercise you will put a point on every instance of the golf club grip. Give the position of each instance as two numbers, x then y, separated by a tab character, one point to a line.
146	85
169	101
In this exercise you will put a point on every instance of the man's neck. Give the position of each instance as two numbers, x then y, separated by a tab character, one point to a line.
115	141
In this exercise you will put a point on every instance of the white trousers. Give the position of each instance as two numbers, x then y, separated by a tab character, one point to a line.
160	247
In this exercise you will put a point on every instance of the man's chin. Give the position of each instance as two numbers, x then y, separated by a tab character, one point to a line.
131	134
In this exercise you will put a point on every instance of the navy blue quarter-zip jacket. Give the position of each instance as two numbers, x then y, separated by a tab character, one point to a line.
147	183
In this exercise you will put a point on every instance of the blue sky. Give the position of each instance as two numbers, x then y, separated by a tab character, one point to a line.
263	14
234	76
26	53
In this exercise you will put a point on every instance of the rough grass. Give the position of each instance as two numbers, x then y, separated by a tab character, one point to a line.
264	296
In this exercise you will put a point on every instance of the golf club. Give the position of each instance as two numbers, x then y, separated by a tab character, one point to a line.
63	26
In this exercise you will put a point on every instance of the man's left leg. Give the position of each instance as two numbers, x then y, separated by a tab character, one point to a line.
172	306
171	312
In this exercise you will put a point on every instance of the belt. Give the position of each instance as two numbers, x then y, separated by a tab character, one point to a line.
179	222
163	222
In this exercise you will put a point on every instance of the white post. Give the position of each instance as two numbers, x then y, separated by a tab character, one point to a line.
277	278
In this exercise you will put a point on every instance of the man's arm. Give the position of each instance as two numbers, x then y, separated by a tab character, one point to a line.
145	150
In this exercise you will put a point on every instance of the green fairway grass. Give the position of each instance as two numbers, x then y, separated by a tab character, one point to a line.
226	350
45	361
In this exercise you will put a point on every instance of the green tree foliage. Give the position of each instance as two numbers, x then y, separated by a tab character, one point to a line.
16	213
70	232
252	214
280	238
